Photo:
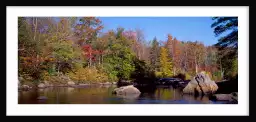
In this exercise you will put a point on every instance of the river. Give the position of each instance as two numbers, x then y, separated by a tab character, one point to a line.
103	95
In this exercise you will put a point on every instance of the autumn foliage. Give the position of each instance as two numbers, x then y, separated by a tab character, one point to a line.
78	48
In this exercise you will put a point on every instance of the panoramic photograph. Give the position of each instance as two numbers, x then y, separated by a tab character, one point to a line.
127	60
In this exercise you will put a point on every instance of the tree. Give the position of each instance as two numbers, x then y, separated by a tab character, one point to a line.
224	25
30	47
154	54
118	61
184	56
170	45
64	53
140	40
87	29
211	62
227	29
63	44
166	64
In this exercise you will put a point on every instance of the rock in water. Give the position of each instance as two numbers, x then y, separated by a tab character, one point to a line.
40	85
71	83
223	97
126	90
46	83
201	84
24	87
107	83
232	98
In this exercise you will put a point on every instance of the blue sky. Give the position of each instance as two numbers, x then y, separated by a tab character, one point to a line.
183	28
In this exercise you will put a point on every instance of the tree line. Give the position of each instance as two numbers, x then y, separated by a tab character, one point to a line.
76	47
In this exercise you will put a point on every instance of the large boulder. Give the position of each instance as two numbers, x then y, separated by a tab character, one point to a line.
201	84
124	90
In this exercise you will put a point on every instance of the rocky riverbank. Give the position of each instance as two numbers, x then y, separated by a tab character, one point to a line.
45	84
57	81
201	84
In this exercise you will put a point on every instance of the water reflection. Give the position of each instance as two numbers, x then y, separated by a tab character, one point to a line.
129	96
103	95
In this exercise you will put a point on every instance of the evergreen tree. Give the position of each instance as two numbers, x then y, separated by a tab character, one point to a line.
226	25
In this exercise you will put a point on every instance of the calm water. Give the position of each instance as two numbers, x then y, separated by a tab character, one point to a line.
103	95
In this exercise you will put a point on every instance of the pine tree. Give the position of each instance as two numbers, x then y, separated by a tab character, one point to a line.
228	43
224	25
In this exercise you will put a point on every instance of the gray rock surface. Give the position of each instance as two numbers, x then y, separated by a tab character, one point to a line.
126	90
201	84
41	85
71	83
232	98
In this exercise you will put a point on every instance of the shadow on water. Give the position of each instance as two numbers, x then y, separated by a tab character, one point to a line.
228	87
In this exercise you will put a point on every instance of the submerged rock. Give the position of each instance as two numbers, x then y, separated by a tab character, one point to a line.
201	84
126	90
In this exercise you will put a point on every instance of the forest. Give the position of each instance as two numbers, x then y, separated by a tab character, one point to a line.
76	47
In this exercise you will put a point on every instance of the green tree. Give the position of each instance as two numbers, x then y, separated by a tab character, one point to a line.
65	54
119	60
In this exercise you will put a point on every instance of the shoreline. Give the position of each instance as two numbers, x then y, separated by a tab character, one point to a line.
26	87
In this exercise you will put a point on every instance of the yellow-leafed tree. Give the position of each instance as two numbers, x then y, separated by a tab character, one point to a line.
166	64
